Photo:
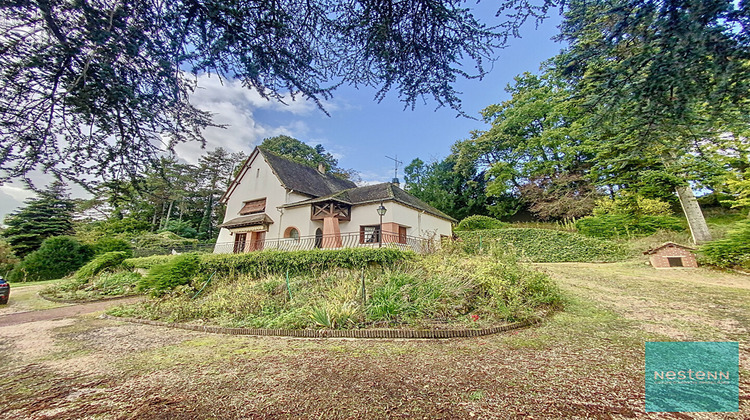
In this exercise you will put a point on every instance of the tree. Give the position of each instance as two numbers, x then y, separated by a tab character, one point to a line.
49	214
457	194
534	148
664	81
99	86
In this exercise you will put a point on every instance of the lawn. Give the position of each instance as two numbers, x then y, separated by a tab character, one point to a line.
25	297
584	362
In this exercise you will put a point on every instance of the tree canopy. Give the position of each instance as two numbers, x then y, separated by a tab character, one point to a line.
100	87
49	214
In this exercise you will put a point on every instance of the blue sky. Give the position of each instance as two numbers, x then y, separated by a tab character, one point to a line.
360	131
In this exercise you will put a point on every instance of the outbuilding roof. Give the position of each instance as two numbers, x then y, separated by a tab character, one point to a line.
375	193
666	245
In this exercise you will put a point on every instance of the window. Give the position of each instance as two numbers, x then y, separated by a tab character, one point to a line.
253	206
369	234
675	261
292	233
240	240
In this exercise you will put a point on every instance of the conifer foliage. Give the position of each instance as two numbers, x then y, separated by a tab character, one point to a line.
49	214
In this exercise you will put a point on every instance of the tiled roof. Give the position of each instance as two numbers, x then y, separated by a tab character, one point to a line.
375	193
665	245
304	179
250	220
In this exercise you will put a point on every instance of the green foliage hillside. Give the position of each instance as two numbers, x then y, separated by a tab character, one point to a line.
426	292
731	251
544	245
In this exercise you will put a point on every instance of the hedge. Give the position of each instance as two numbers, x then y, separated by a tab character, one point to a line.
544	245
274	261
299	262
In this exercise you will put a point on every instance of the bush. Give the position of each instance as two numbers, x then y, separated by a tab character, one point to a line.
146	262
543	245
109	244
123	283
56	258
478	222
626	226
179	228
176	272
8	260
632	204
732	251
99	263
163	242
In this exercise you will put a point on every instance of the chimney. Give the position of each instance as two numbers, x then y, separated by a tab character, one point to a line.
321	168
395	182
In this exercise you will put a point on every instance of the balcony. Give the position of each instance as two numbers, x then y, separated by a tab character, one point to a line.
344	240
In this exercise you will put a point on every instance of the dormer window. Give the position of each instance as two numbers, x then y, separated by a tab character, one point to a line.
253	206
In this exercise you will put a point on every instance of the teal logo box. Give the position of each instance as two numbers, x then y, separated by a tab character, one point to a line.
692	376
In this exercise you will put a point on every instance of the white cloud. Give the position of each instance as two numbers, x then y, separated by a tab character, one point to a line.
16	193
233	106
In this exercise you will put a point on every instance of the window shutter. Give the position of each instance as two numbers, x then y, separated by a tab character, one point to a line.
255	206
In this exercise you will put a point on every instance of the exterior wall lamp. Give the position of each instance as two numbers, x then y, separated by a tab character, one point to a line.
381	212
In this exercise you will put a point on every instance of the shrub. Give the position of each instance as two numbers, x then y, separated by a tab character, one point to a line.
478	222
146	262
99	263
8	260
543	245
626	226
110	244
733	250
632	204
56	258
123	283
180	228
176	272
163	241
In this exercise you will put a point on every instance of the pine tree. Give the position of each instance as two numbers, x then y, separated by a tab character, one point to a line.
50	214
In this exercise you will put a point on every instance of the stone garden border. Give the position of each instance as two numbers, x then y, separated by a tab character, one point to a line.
364	333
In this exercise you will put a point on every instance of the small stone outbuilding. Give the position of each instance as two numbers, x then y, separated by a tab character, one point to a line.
672	255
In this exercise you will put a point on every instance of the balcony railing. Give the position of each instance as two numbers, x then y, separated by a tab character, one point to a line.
345	240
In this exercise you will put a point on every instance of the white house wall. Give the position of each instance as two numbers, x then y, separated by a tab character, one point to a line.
417	222
257	182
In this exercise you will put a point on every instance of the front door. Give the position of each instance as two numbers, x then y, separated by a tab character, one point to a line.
257	240
240	239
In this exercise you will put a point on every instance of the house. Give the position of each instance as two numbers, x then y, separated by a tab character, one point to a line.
277	203
672	255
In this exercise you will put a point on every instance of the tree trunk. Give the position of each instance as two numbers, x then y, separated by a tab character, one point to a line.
169	213
693	214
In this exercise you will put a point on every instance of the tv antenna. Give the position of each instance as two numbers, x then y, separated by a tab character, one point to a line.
395	170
